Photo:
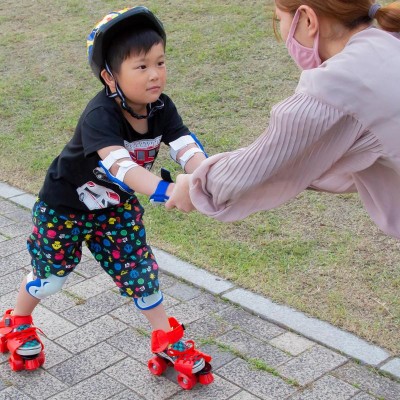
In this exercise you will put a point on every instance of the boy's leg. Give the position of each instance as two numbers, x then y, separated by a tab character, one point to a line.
50	236
157	318
129	260
25	303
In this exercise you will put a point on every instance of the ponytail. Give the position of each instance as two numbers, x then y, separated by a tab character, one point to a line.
388	17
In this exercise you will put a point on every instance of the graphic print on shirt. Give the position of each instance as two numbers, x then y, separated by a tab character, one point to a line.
144	152
96	197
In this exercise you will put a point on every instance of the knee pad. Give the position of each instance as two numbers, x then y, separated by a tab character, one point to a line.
149	302
42	288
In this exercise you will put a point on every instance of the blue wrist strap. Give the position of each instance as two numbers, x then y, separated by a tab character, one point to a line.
159	195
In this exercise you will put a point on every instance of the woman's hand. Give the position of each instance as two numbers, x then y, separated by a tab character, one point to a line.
180	197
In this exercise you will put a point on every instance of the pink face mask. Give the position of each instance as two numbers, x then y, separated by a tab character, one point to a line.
305	57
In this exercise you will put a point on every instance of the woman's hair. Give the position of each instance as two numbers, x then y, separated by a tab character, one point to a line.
128	43
349	13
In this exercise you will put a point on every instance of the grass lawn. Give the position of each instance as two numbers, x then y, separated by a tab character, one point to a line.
319	253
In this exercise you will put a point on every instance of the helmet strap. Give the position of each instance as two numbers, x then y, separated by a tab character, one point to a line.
120	94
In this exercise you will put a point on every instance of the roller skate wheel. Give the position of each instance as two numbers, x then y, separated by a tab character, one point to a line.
186	382
3	346
206	379
16	363
157	365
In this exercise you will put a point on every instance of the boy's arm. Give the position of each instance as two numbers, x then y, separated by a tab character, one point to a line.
136	177
188	152
194	161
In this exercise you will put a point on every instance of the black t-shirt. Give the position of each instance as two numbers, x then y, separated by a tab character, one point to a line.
75	182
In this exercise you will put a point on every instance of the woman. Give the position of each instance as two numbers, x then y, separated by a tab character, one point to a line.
339	132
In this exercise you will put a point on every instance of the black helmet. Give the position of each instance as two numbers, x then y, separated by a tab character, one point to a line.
103	33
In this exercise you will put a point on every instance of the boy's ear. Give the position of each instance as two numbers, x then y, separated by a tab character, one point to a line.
108	79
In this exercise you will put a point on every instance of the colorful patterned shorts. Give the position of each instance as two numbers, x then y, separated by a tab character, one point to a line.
116	238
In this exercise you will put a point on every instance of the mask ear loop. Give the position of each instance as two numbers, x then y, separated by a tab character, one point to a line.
119	93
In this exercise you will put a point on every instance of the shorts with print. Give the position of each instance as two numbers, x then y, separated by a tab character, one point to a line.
116	238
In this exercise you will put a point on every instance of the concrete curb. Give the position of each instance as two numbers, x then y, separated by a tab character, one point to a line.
312	328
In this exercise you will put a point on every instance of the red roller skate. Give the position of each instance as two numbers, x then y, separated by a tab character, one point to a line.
192	365
19	336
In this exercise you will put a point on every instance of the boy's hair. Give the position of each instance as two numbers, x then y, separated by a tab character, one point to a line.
131	43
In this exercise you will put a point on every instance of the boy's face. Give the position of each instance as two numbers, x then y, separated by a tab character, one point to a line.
142	77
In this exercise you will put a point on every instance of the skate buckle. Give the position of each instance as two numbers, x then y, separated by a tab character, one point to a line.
7	322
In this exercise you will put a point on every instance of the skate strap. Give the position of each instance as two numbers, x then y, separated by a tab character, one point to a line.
9	322
160	339
18	338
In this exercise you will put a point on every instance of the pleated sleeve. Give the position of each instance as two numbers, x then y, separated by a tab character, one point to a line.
305	138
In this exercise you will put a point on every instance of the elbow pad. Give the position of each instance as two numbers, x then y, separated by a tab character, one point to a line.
123	167
177	145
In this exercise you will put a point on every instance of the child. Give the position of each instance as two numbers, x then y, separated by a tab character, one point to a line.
88	193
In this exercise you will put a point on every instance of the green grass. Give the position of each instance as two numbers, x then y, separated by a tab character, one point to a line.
319	253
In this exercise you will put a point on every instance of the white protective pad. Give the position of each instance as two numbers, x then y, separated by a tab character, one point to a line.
124	166
179	144
42	288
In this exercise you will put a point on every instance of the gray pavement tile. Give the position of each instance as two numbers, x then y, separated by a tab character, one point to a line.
260	383
98	387
90	334
219	356
16	229
13	245
4	221
51	323
311	328
311	365
127	395
369	381
130	315
253	348
392	367
87	363
243	395
73	279
191	273
327	388
7	207
55	354
59	302
2	238
182	291
132	343
292	343
7	301
166	280
208	327
25	200
250	323
8	191
11	393
92	287
13	262
20	215
13	282
197	308
363	396
220	389
94	307
137	377
89	268
38	384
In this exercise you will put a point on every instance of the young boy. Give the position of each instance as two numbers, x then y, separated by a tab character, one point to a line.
88	193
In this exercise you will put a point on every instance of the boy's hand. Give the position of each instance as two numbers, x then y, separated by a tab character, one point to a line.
180	197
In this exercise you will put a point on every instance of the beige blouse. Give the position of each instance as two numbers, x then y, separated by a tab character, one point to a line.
339	132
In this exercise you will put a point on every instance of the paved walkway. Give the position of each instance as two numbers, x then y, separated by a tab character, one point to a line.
97	345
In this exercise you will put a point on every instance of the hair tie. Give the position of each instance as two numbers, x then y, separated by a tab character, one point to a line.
373	10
